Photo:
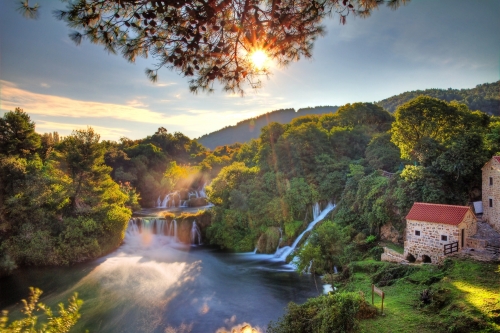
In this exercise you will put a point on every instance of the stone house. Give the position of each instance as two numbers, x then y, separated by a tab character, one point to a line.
434	231
491	192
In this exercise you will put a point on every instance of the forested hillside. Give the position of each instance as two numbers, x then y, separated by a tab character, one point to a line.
268	191
67	200
250	128
484	97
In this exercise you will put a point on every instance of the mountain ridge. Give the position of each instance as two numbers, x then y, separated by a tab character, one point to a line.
484	97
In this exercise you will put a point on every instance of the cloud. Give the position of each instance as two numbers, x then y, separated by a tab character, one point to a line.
44	85
137	103
106	133
165	84
55	106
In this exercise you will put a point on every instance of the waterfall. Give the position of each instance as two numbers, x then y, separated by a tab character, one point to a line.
286	250
158	202
152	226
202	193
174	222
165	201
316	211
195	233
279	242
133	228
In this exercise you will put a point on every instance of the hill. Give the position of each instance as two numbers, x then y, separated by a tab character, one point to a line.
484	97
250	128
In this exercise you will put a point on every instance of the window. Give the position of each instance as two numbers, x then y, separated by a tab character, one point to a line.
491	181
444	238
417	232
490	201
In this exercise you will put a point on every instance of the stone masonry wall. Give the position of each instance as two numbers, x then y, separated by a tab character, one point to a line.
429	242
476	244
491	214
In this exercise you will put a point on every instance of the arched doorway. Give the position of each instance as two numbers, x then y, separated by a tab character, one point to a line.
411	258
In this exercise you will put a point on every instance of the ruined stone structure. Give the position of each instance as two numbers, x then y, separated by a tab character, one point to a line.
429	227
491	192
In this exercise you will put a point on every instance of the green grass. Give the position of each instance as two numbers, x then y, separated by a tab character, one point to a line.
465	296
395	247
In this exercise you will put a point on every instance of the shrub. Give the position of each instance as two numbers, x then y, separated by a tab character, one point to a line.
338	312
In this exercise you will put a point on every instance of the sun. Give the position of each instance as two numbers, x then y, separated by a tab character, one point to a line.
258	58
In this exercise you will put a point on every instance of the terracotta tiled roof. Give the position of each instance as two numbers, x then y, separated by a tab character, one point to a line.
497	158
436	213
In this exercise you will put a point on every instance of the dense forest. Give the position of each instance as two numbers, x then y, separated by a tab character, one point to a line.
249	129
68	199
484	97
371	163
65	200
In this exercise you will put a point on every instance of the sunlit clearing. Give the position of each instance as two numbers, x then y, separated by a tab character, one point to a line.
259	58
481	298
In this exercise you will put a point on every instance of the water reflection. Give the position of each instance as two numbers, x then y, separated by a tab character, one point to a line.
162	286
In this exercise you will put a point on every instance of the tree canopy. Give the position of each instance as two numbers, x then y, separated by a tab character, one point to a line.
212	40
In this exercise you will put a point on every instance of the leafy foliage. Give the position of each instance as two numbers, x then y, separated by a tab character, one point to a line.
62	209
338	312
483	97
211	40
62	323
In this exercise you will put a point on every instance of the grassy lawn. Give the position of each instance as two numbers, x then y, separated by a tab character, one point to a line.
465	296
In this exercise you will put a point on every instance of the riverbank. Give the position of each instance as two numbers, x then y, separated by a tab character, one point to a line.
461	296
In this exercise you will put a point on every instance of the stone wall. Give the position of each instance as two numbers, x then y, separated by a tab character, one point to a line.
429	242
491	214
478	244
392	256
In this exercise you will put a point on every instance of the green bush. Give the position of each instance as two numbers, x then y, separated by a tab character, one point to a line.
55	324
331	313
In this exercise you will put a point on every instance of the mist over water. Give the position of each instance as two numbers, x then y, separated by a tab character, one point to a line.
154	284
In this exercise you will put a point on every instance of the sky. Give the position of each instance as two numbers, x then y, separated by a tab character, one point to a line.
63	87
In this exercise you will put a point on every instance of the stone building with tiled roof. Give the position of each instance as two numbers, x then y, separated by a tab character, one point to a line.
434	231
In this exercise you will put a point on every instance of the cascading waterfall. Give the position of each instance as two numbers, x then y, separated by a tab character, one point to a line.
173	229
173	199
133	228
286	250
165	201
195	234
316	210
153	226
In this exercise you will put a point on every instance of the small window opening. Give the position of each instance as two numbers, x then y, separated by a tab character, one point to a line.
491	180
444	238
417	232
490	201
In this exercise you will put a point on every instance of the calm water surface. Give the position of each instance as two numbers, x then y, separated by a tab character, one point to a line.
153	284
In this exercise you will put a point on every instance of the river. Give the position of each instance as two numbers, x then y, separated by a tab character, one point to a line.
154	284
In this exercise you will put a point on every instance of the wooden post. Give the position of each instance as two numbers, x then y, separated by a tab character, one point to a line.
379	292
373	286
383	302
